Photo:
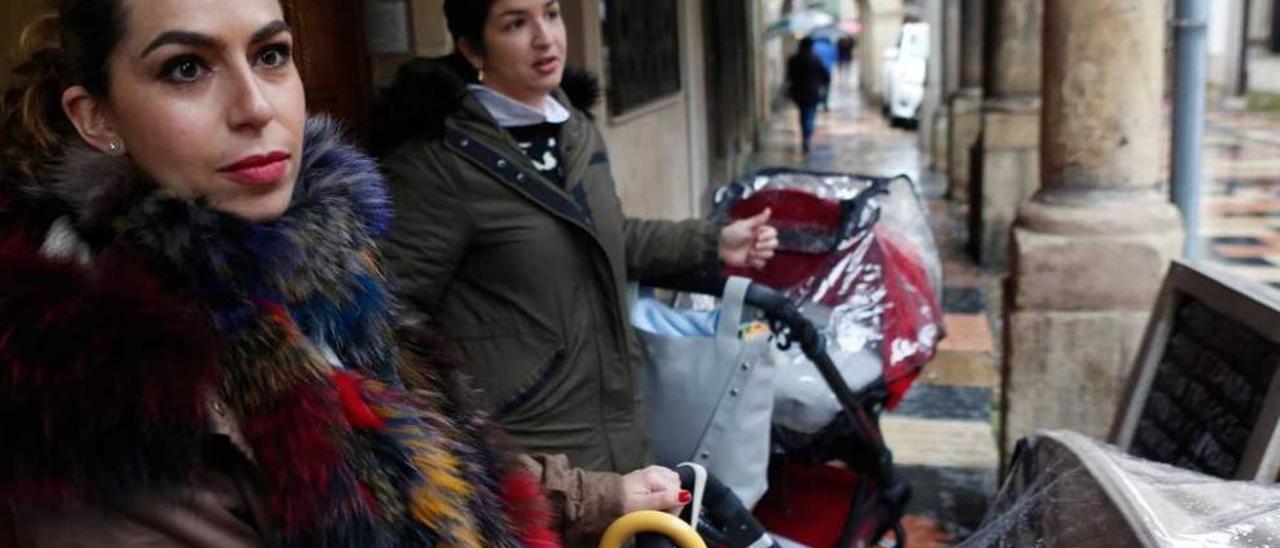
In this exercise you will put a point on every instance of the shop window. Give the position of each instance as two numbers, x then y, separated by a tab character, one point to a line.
642	42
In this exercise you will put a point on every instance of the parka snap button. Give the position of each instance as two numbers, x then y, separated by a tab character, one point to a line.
465	142
519	176
745	366
734	392
502	163
705	455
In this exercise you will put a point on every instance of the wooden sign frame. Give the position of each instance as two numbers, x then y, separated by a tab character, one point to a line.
1252	305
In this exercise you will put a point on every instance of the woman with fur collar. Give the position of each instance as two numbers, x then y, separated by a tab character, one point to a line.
508	231
196	343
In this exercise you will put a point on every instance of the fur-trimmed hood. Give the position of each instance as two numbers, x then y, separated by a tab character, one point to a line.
111	351
111	355
428	90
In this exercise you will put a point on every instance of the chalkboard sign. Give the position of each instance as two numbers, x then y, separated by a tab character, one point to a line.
1204	394
643	42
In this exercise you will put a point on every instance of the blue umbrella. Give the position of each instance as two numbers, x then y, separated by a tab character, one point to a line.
826	52
832	33
799	24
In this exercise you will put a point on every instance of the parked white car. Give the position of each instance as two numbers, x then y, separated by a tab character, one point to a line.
905	67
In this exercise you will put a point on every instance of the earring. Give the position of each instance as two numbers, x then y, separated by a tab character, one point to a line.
480	75
113	147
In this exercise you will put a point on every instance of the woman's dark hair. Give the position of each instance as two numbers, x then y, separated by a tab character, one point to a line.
59	50
425	90
466	19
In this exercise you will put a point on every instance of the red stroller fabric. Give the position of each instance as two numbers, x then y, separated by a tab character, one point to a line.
907	292
812	507
876	270
795	213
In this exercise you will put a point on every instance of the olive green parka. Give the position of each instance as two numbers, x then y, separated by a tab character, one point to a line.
528	276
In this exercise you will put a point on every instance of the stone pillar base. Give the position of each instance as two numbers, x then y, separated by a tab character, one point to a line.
1066	370
1085	271
966	124
1006	173
938	155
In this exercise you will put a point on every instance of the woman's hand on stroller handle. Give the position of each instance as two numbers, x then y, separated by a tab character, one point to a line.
653	488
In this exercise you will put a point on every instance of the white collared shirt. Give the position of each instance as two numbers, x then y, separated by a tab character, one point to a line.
509	112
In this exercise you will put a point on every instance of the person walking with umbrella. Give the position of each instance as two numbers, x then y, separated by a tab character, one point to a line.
806	79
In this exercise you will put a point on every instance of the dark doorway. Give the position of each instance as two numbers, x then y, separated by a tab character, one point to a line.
334	61
1275	26
730	87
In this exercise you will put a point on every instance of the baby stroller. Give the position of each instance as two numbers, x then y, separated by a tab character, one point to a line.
856	314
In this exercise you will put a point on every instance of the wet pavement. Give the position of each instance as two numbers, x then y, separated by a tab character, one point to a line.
942	434
1240	228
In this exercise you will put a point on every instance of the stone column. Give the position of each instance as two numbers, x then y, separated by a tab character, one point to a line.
1007	166
946	55
1091	248
934	101
881	20
1234	57
952	17
966	102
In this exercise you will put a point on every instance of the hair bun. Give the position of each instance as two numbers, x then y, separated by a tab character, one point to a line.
40	48
33	123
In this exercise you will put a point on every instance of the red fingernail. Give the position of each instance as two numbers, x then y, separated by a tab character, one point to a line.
685	497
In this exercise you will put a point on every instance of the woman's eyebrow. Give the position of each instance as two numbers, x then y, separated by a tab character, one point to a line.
513	11
189	38
186	38
269	31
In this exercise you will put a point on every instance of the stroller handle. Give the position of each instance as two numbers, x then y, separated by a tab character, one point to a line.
651	521
795	328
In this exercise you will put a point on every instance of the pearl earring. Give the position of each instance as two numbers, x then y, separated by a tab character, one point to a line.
480	75
113	147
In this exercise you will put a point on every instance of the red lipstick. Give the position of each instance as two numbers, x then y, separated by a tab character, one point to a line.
259	169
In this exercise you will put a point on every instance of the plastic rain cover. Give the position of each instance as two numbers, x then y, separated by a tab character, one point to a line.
857	255
1066	489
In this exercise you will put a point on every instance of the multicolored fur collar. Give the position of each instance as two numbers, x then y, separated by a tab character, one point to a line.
106	369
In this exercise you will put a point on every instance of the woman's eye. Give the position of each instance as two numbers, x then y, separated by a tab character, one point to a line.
553	14
515	24
183	70
274	56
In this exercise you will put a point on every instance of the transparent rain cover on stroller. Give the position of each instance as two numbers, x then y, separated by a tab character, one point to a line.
1066	489
857	255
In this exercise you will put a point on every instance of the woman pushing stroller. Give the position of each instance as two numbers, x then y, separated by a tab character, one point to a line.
509	234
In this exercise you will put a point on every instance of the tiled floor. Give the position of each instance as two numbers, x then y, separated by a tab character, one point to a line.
1241	209
967	332
942	434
